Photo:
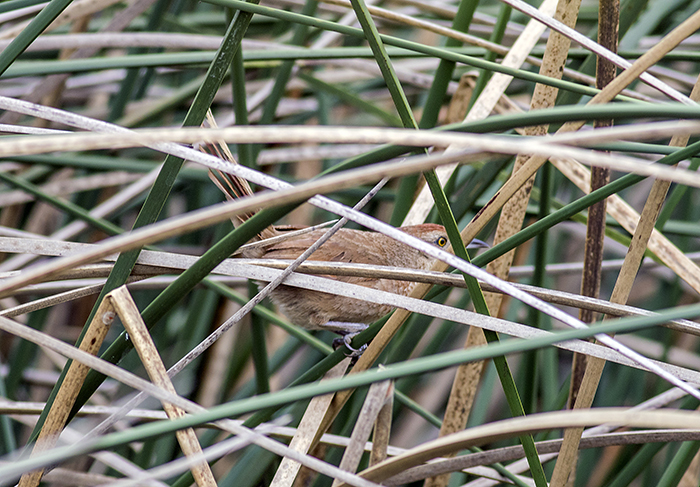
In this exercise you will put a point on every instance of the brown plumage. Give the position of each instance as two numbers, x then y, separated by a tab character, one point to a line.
314	310
317	310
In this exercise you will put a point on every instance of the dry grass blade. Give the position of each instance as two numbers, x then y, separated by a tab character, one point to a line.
118	39
620	294
132	380
469	461
152	263
484	105
126	309
307	430
604	51
303	94
382	431
377	397
65	398
510	222
608	26
537	422
76	11
71	186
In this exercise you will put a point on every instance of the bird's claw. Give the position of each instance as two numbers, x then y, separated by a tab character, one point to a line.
346	340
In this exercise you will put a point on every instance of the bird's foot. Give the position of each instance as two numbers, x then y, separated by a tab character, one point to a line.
347	332
346	340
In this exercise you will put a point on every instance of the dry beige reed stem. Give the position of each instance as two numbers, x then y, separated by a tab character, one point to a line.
127	310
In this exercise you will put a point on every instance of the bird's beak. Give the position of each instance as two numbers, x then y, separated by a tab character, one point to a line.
477	244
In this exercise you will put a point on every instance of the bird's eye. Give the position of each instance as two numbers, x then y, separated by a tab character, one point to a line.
441	241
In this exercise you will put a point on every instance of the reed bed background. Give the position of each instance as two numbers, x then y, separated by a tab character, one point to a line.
487	374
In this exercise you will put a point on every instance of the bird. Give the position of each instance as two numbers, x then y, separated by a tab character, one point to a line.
316	310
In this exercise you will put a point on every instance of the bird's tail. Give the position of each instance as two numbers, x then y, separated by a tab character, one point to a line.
233	187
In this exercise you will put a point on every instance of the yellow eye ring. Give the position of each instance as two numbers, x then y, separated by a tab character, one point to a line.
441	241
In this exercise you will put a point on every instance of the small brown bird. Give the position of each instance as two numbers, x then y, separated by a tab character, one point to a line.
315	310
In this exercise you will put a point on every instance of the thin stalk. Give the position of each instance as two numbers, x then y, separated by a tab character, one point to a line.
432	105
576	206
240	107
535	317
64	205
608	23
497	37
679	464
351	99
9	441
47	15
161	189
11	5
259	350
293	394
395	41
477	295
285	72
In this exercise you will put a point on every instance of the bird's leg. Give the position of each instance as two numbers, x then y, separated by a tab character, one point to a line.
347	331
